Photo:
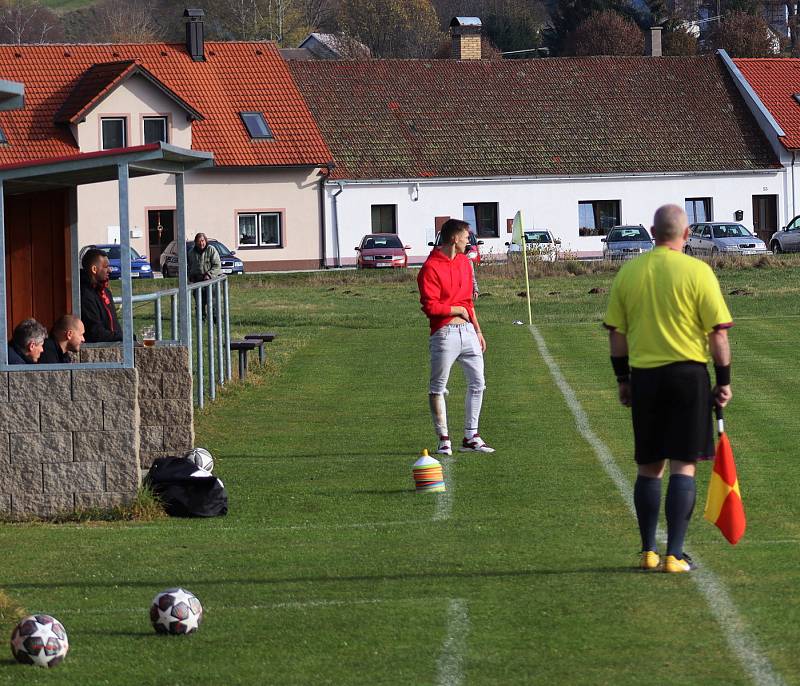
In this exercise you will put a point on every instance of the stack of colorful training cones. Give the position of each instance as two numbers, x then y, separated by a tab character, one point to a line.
428	475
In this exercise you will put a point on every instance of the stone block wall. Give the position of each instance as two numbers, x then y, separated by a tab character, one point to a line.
165	402
166	407
80	438
65	442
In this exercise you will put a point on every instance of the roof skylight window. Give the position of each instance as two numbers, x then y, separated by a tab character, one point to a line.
256	125
3	137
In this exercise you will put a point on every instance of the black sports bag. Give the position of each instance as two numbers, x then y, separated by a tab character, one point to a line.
185	490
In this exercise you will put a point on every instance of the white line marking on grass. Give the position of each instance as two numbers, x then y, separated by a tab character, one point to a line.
450	665
743	645
444	501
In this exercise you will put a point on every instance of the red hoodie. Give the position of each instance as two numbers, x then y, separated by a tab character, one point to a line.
444	283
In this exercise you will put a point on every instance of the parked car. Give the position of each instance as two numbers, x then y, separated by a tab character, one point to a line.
538	242
626	242
230	263
715	238
378	250
140	267
787	239
473	252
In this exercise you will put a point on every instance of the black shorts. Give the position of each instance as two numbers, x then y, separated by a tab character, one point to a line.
671	408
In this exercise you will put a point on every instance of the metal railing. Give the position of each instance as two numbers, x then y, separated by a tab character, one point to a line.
209	350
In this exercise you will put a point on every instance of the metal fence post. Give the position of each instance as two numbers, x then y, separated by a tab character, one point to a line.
227	329
157	314
212	382
220	341
198	309
174	316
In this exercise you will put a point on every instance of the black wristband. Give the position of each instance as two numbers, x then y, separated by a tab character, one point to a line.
621	367
723	373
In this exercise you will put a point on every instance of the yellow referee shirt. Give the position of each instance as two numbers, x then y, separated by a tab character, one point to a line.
666	303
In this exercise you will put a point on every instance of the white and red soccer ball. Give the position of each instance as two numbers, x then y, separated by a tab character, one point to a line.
39	640
176	611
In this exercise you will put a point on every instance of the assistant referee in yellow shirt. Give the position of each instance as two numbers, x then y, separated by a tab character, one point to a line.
665	314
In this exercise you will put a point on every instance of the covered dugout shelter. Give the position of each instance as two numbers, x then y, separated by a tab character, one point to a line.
74	436
39	276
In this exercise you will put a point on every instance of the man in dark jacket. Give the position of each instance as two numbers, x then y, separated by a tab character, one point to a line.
97	303
64	342
26	343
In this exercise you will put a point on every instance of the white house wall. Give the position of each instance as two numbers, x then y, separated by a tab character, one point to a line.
214	197
545	204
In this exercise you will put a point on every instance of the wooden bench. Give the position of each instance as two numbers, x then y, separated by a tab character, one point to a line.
243	347
260	339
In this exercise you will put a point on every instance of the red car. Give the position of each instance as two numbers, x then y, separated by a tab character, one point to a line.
381	250
473	252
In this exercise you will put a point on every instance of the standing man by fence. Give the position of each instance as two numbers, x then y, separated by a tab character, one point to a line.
204	260
445	287
665	313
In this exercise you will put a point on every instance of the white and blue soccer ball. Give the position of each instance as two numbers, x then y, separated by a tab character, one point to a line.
202	458
39	640
176	611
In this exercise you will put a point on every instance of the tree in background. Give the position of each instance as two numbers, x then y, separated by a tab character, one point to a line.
568	15
744	35
606	33
391	28
676	38
509	24
133	22
27	21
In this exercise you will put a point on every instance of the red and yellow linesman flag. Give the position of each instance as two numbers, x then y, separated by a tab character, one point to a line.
724	506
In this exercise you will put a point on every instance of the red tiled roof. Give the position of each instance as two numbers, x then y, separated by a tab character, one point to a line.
448	118
235	77
775	81
100	80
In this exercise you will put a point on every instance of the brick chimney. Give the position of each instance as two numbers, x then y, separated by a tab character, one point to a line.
195	40
465	33
652	42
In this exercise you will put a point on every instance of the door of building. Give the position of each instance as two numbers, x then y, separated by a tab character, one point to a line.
160	232
765	216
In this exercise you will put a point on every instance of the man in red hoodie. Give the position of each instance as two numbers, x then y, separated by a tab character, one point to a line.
445	291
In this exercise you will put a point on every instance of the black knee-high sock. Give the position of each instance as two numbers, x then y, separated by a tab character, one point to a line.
681	493
647	500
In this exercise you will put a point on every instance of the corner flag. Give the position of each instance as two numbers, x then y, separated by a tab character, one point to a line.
518	237
724	507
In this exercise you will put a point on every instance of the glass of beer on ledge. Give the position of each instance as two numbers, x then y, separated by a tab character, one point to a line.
149	336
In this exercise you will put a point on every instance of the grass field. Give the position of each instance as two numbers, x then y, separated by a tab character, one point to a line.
329	569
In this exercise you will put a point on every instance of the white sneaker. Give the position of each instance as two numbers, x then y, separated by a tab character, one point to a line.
475	445
445	447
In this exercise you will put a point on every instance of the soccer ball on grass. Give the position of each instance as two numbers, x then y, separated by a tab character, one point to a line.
202	458
176	611
39	640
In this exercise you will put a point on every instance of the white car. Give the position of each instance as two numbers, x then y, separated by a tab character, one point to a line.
539	243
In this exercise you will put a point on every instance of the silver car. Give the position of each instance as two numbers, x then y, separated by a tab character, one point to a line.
625	242
723	238
787	239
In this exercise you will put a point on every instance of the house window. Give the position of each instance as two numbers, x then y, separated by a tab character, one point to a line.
113	130
482	218
3	137
256	125
596	217
260	230
155	130
699	210
384	219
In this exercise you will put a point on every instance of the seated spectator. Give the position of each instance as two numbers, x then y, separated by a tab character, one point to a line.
27	342
97	304
64	341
